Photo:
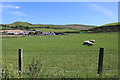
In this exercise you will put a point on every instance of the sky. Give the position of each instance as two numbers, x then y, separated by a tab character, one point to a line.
60	0
60	13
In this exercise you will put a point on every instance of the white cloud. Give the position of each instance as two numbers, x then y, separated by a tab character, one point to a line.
17	7
104	10
18	13
3	6
9	9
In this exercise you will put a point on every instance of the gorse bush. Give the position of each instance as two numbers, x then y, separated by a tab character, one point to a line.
9	72
5	74
34	69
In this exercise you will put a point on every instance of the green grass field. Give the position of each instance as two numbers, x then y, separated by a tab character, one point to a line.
64	56
55	30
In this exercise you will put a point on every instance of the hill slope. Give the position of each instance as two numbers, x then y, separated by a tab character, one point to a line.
111	24
21	23
26	25
112	27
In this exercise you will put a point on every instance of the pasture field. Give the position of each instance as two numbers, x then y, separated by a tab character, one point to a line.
64	55
11	36
54	30
0	28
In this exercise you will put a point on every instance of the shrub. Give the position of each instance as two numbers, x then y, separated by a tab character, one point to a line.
34	69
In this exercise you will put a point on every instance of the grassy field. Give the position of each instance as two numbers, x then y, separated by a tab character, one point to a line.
54	30
11	36
64	56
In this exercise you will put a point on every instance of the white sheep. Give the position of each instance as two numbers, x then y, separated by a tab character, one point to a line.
88	42
93	41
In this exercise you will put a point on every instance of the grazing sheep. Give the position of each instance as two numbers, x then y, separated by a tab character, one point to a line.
86	42
93	41
89	42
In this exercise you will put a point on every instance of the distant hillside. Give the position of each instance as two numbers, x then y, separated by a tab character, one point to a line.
111	24
21	23
111	27
26	25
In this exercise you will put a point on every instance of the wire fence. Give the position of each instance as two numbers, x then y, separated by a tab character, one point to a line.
80	63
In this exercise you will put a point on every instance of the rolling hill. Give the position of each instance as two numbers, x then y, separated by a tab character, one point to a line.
111	27
29	26
111	24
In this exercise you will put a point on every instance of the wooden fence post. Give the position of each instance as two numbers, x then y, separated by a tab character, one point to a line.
20	60
100	61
